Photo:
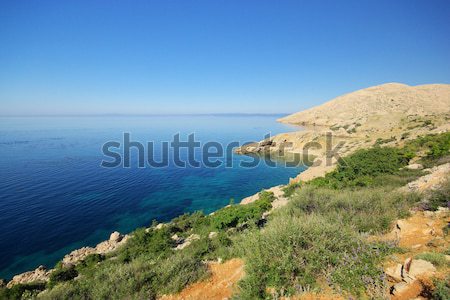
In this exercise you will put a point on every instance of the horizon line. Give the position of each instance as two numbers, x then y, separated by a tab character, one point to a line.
144	115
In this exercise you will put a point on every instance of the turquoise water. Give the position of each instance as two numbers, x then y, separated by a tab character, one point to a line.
55	196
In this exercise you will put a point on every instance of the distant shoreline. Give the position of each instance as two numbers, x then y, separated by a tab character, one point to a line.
150	115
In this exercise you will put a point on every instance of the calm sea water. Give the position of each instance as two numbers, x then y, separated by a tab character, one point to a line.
55	196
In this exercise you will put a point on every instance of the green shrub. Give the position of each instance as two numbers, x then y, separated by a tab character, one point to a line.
175	273
361	167
237	214
141	278
89	262
441	289
61	275
366	210
291	188
292	254
154	243
188	221
19	290
439	197
436	146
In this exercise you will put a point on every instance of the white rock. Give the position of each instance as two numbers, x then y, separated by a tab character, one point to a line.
115	237
160	226
41	274
421	267
187	241
395	272
414	167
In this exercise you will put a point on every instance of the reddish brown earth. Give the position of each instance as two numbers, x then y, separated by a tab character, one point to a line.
422	232
220	285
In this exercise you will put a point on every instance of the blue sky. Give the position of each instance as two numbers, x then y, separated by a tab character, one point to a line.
145	57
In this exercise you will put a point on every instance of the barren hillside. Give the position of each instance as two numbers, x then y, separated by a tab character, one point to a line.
387	114
371	104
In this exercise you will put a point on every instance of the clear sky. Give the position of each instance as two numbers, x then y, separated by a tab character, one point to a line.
215	56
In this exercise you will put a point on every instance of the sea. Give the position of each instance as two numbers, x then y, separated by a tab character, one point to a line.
60	190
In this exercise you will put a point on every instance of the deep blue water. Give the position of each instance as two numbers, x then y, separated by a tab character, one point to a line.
55	196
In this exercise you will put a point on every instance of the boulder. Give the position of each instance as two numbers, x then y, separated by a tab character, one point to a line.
115	237
414	167
187	241
212	234
160	226
395	272
420	267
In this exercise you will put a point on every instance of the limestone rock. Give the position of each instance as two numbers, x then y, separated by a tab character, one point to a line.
250	199
77	255
115	240
395	272
414	167
160	226
187	241
420	267
115	237
41	274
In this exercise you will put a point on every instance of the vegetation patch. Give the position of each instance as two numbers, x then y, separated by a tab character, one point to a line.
437	259
362	167
293	254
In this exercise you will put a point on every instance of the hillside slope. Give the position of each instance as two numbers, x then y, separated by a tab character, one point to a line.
370	104
388	114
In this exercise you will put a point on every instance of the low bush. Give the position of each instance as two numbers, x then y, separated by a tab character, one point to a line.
362	167
61	275
294	254
439	197
369	210
291	188
141	278
441	289
154	243
20	291
435	146
237	214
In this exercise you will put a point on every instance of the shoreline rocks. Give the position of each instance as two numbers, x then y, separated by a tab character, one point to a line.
115	241
41	274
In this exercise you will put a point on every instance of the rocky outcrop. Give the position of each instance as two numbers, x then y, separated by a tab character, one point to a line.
41	274
115	241
409	274
184	242
414	167
277	191
437	175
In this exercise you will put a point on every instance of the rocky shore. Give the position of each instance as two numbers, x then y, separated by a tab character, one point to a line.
42	274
